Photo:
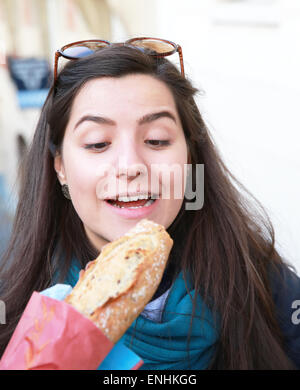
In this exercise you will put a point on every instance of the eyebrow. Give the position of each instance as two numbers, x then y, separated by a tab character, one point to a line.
96	119
156	115
148	118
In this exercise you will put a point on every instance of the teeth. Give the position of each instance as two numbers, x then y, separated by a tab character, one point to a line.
150	201
132	198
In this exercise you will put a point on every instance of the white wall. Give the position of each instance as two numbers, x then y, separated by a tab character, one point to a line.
245	56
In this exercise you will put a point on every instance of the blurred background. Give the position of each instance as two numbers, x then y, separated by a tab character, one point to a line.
243	55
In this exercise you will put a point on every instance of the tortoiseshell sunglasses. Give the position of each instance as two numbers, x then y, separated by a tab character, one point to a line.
80	49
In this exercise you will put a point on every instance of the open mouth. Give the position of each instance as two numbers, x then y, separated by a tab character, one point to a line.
131	204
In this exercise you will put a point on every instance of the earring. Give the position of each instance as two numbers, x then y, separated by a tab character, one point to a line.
65	191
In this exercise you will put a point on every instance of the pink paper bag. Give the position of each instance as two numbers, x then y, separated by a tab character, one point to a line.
52	335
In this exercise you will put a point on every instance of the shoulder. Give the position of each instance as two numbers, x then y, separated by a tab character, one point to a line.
285	285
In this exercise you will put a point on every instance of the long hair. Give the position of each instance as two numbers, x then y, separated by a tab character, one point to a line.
228	246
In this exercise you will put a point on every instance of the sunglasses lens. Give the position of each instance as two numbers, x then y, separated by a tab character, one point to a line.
84	49
153	44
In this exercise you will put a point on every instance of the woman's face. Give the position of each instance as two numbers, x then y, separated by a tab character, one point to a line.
124	137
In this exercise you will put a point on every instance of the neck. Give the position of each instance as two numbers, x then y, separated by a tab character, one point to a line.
96	240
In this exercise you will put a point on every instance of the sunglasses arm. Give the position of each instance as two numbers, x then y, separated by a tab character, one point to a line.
57	55
181	59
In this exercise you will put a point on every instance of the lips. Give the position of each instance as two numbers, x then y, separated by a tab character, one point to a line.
132	209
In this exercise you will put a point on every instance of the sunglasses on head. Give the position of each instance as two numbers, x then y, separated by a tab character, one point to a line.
158	48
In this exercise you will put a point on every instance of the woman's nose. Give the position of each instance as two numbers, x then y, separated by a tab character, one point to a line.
130	161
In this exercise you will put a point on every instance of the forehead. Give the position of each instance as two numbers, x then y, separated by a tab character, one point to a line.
119	95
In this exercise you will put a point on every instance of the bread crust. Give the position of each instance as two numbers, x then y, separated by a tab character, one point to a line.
114	289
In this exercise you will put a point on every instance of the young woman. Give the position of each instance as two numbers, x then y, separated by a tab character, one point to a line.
225	301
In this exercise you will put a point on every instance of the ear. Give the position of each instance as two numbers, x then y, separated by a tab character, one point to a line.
59	168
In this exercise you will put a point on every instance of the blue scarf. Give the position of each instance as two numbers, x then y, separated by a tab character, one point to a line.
165	345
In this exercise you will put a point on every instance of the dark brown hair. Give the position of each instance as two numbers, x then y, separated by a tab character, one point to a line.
228	246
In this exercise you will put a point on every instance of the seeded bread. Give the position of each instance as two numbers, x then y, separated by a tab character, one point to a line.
114	289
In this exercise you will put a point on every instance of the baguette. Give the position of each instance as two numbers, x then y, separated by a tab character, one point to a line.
114	289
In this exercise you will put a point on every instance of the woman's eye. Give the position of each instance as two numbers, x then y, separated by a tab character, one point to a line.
156	142
102	145
97	147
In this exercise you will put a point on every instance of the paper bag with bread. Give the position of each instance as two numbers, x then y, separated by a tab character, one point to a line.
79	331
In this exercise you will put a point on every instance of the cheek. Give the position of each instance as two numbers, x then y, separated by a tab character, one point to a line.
172	173
80	175
168	211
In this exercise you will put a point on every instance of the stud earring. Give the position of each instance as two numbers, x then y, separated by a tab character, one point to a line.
65	191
